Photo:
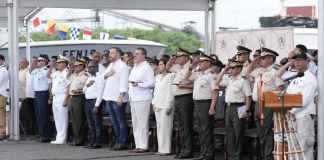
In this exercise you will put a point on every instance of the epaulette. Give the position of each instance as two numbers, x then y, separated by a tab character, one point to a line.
244	76
276	66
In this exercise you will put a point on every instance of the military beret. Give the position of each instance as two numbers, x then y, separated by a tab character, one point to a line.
205	57
182	52
242	49
61	58
80	62
268	52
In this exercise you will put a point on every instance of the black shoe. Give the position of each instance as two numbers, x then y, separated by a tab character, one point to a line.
88	146
120	147
208	158
76	144
95	147
3	138
177	155
45	140
185	156
200	158
116	147
123	147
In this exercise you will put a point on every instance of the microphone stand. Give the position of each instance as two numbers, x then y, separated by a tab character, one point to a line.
281	96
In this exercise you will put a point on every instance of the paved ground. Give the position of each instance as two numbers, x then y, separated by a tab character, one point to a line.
33	150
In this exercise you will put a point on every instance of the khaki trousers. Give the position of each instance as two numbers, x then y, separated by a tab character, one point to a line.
2	116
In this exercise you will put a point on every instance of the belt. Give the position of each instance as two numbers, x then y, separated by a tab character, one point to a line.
235	104
183	95
76	95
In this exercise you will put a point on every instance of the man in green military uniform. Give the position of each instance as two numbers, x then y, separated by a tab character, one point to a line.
238	99
77	100
262	70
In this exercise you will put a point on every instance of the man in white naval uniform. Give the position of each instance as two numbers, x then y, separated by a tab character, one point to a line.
307	86
140	93
60	85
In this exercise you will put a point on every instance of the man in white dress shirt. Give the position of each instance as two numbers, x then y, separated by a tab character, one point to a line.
141	82
27	113
307	86
91	94
4	84
115	95
60	83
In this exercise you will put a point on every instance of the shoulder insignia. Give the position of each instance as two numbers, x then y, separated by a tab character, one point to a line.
244	77
276	67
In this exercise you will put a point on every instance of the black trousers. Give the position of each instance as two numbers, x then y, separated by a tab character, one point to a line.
205	128
234	131
42	114
265	133
27	116
184	116
78	117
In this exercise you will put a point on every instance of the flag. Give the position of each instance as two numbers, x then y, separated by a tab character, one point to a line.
36	22
50	27
87	33
62	35
103	36
75	33
63	29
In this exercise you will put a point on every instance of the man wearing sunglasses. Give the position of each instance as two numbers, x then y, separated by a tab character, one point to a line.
40	86
243	56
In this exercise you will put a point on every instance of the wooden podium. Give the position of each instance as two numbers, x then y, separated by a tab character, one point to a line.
275	101
286	142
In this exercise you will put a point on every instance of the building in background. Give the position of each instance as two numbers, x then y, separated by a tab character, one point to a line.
296	13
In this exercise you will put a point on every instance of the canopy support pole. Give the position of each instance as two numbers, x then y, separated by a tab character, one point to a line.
213	27
320	76
28	39
13	53
27	24
207	33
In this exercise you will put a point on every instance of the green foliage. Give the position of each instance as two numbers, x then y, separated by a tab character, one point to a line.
42	36
172	39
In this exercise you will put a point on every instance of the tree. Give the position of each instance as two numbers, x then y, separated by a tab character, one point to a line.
172	39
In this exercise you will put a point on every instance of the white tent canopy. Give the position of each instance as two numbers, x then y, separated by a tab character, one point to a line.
27	6
190	5
22	12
